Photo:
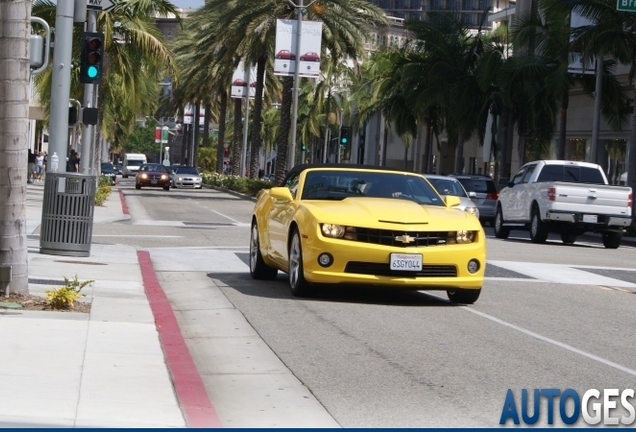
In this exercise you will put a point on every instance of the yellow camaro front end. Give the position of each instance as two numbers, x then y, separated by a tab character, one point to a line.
366	226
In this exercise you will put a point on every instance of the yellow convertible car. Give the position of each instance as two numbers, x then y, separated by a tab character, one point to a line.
364	225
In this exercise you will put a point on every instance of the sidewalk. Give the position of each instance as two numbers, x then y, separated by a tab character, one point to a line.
109	368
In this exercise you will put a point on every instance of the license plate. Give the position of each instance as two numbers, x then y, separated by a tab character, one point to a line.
153	181
406	262
590	218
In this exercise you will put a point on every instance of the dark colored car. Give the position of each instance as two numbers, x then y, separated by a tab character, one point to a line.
483	191
153	175
119	169
310	56
285	54
108	170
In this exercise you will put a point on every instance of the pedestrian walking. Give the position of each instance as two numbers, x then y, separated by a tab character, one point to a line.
72	162
39	166
31	167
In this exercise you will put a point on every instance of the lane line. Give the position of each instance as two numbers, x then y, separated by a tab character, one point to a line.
191	393
552	341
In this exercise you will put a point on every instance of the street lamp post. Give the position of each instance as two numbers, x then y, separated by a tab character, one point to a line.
292	153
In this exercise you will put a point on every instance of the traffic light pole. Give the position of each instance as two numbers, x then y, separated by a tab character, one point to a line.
61	82
89	100
294	120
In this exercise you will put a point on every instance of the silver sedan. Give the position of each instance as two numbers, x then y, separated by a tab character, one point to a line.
451	186
186	177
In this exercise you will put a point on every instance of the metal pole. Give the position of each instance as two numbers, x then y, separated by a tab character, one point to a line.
597	109
292	153
246	79
61	82
89	101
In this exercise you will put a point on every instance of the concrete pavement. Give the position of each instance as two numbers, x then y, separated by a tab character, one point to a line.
126	364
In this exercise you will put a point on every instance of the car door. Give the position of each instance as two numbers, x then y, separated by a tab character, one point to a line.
279	217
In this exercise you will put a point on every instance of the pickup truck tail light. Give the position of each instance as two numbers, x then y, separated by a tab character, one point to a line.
492	195
629	200
551	193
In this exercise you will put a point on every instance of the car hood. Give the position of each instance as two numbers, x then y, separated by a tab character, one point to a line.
380	211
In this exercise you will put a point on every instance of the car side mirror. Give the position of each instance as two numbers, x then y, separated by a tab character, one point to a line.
472	194
452	201
510	184
281	193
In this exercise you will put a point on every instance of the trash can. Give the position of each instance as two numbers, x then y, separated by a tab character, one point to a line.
67	214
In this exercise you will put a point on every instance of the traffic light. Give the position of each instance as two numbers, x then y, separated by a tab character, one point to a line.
303	147
345	135
92	57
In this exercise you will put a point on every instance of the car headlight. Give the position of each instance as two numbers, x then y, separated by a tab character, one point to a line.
180	178
143	176
472	210
334	231
163	176
461	237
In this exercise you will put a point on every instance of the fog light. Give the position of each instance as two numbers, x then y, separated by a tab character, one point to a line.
473	266
325	259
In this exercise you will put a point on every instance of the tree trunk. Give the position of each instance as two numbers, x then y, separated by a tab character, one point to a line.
459	154
205	141
565	100
194	146
220	143
15	16
255	139
503	145
238	137
283	133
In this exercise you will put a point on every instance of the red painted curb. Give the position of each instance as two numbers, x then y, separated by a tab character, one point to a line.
124	206
193	398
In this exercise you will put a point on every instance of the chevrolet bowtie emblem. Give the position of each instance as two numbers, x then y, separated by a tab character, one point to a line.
405	238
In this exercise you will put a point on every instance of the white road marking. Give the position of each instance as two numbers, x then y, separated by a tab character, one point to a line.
552	341
227	217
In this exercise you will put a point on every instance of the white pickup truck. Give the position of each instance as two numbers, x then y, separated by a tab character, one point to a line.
566	197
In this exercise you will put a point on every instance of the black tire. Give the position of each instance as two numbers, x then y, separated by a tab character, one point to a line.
466	296
258	269
501	232
298	285
538	228
137	186
568	237
612	240
166	188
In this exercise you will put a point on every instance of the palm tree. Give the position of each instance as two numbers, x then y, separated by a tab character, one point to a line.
14	127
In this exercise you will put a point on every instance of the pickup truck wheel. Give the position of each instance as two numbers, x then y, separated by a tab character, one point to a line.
466	296
538	228
501	232
568	238
612	240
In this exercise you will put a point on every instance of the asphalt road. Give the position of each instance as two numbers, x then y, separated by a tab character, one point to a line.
550	316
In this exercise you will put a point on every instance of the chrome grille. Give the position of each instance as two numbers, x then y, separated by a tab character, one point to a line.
389	237
383	269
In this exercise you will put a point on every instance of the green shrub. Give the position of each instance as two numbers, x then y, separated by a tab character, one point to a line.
65	297
236	183
103	190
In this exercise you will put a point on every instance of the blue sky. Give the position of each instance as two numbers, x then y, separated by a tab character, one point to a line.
188	3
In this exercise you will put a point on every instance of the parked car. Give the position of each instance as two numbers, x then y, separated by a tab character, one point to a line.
186	177
119	169
485	194
367	226
310	56
566	197
108	170
285	54
153	175
451	186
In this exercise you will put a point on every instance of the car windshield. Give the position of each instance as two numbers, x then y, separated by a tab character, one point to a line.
479	185
134	162
106	166
154	168
448	187
341	184
186	170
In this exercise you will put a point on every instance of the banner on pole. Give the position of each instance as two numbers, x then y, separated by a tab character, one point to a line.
238	82
188	114
286	50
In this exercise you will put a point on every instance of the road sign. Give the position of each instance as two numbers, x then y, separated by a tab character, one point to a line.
626	5
102	5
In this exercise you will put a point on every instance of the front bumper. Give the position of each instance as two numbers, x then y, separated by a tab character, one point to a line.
187	183
444	266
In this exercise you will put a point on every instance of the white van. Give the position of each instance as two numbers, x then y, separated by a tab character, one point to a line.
131	163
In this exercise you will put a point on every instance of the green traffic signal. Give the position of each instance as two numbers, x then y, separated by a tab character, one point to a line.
345	135
92	55
92	72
